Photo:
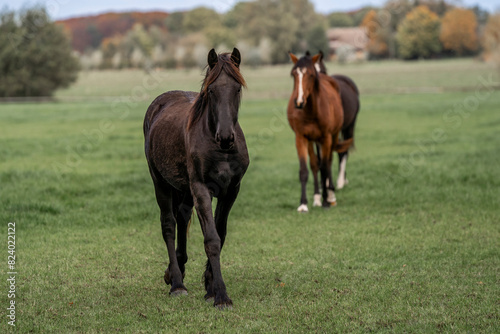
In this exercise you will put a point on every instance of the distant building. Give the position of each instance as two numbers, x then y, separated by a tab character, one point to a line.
348	44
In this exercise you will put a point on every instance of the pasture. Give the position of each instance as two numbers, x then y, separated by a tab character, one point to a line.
412	246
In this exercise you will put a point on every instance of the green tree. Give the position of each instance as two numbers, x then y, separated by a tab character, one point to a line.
220	35
285	23
340	19
317	40
418	34
35	55
174	22
199	19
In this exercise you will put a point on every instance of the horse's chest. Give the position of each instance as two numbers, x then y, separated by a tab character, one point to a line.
221	175
307	126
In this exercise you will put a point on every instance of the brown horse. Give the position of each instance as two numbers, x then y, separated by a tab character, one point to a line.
349	94
196	150
315	115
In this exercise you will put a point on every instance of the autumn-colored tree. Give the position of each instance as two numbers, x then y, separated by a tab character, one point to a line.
378	34
458	31
88	32
418	34
491	39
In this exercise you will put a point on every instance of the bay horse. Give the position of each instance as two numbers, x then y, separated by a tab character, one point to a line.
196	150
315	115
349	94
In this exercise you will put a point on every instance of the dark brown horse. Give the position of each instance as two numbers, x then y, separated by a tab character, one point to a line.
315	115
349	95
196	150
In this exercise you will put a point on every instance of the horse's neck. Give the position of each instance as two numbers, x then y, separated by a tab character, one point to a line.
312	104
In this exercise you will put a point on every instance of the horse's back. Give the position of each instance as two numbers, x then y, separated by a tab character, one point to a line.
164	136
167	102
349	94
331	92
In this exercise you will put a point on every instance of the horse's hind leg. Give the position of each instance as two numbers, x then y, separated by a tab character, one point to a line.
342	177
314	163
182	217
173	274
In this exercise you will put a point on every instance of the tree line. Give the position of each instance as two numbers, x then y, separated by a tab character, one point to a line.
264	30
36	55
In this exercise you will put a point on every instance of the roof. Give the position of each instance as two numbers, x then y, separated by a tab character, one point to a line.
355	36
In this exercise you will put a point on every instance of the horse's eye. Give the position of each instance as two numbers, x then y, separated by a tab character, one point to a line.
239	90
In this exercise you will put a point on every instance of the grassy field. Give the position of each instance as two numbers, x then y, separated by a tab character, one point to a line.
413	245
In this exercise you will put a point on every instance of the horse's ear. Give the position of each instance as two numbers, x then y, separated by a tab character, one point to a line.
293	57
236	57
321	55
212	58
315	58
308	53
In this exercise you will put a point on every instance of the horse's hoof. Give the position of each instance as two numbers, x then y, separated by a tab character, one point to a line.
331	196
303	208
333	204
317	200
224	306
178	292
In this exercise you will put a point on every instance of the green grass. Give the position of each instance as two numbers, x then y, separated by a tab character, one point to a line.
413	245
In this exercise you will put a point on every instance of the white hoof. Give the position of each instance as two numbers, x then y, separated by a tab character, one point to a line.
331	197
317	200
303	208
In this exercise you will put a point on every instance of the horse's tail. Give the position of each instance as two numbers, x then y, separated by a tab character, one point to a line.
344	145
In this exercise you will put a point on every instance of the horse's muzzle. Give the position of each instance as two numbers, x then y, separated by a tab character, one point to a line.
225	142
299	105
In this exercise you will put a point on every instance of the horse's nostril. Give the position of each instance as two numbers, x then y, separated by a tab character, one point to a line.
232	137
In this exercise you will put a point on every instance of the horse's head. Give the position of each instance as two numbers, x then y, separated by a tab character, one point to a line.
305	77
319	65
221	91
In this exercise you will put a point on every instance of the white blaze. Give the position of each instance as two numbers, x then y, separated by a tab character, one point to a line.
300	97
316	65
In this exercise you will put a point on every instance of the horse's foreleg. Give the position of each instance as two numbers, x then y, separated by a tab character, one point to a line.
314	163
326	173
173	274
301	144
214	283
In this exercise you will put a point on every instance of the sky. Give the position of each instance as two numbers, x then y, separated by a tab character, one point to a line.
61	9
